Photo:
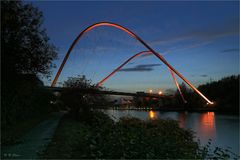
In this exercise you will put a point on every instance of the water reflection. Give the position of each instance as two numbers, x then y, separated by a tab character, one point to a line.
152	115
207	124
222	129
202	123
182	119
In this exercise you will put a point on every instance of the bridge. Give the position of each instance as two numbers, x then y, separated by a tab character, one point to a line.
150	50
102	92
128	60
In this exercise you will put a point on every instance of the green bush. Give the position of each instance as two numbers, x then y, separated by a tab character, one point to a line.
101	137
132	138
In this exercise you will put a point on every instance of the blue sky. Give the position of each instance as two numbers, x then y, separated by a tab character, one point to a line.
199	39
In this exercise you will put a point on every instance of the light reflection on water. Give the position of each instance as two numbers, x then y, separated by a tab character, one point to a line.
207	124
152	115
223	130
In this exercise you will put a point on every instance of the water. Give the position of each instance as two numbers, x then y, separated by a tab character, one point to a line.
223	130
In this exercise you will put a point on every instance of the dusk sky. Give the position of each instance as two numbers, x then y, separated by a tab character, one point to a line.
199	39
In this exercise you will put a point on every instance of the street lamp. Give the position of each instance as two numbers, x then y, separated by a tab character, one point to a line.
150	91
160	92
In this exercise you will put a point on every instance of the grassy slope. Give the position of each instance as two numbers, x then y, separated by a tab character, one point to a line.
65	138
100	137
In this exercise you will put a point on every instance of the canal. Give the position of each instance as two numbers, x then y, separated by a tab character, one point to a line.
222	129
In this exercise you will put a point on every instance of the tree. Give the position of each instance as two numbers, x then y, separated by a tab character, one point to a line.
25	44
225	93
26	54
193	99
74	100
81	102
78	82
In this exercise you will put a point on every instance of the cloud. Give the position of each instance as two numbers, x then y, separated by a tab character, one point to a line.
200	37
189	46
180	47
135	69
148	65
140	68
203	75
230	50
227	28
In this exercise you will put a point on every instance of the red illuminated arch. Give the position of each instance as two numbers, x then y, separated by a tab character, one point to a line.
128	60
136	37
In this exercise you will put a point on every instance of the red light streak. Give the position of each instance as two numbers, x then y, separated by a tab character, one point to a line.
134	56
133	35
177	85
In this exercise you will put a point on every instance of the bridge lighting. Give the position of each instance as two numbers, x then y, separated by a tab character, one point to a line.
160	57
212	103
128	60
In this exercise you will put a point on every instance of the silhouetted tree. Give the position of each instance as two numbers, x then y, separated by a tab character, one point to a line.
80	102
75	100
78	82
24	42
225	94
72	97
25	53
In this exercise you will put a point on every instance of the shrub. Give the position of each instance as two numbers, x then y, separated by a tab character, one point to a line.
132	138
102	138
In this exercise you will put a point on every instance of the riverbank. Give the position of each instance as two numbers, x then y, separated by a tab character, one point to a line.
170	109
98	137
222	129
101	137
178	109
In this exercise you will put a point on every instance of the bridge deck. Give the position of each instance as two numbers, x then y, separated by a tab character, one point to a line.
95	91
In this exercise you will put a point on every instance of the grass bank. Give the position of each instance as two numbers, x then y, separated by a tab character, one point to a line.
100	137
95	136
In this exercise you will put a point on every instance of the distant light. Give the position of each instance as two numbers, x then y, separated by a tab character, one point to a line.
150	91
160	92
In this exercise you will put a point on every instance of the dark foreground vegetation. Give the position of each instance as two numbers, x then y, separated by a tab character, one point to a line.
100	137
26	54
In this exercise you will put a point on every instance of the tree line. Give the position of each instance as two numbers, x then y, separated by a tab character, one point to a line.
224	93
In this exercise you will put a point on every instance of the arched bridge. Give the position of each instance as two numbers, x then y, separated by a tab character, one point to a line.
160	57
